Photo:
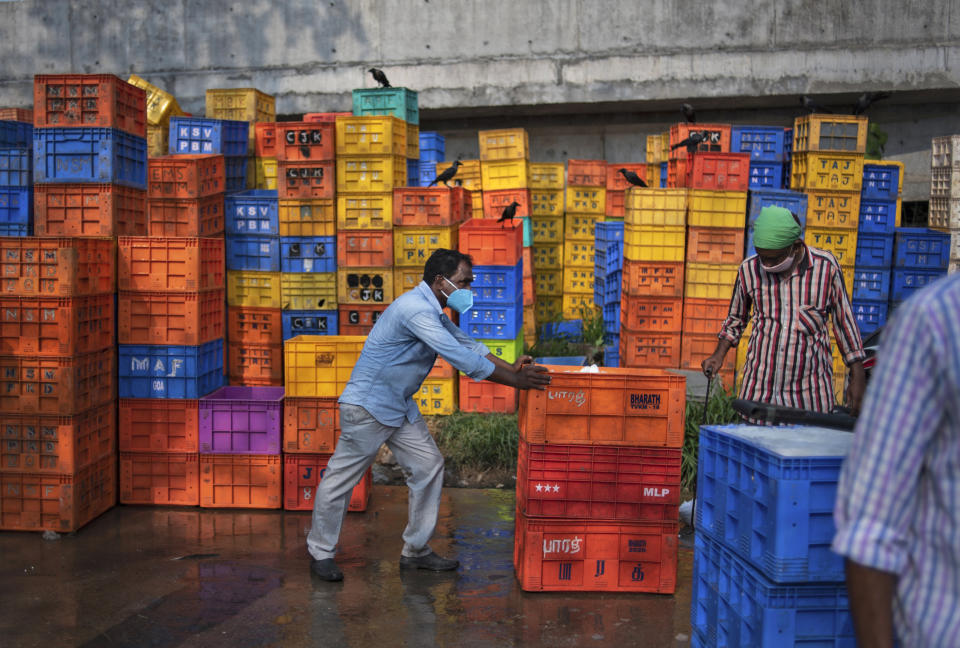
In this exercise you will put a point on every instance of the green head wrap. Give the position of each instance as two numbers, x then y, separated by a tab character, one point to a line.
775	229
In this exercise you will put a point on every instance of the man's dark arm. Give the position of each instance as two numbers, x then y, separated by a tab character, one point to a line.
871	603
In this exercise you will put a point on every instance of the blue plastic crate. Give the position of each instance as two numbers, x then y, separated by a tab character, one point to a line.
413	173
427	172
16	210
236	174
870	315
768	493
871	284
611	356
202	136
14	133
16	167
399	102
795	201
597	292
921	248
907	281
766	175
100	155
788	140
309	323
608	231
498	285
564	361
255	211
159	371
732	604
612	287
611	318
763	143
874	251
880	181
308	254
877	216
433	147
572	329
663	174
251	252
492	321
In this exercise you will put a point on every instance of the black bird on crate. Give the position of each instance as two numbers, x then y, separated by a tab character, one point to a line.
447	174
509	212
812	106
866	100
692	142
688	113
379	77
632	178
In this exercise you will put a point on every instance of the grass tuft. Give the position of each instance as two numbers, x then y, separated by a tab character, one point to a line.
719	412
474	441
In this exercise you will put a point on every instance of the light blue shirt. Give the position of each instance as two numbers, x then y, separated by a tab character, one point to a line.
400	351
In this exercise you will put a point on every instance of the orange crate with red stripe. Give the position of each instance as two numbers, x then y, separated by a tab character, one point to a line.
57	385
494	202
186	176
301	477
89	210
649	349
356	319
364	248
90	101
615	179
704	316
254	325
161	479
295	141
52	444
185	216
715	245
172	264
492	243
310	425
159	425
56	326
662	314
587	173
486	396
716	139
431	206
56	267
188	318
719	171
652	279
241	481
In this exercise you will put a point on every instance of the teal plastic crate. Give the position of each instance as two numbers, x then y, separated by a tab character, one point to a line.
399	102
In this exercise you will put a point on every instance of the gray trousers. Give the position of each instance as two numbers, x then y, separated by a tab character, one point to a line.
361	436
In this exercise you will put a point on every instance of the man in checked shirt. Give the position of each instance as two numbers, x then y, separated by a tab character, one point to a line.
792	289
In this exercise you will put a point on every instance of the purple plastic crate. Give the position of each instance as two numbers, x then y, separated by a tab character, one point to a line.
241	420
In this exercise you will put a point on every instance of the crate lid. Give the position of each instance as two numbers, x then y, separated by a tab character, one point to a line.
791	441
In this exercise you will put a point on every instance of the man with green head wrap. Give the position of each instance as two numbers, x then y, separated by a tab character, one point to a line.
792	290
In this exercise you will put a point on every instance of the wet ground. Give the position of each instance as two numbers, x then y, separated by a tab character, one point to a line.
164	577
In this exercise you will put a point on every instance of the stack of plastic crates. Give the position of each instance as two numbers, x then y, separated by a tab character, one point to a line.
607	285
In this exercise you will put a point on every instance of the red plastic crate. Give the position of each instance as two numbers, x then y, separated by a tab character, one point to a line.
55	326
160	478
598	482
56	385
486	396
172	264
587	173
260	363
324	117
56	267
364	248
89	210
649	349
678	173
306	179
492	243
89	100
254	325
310	425
616	204
187	318
62	503
652	279
615	179
660	314
186	176
185	216
717	139
355	319
576	556
296	141
720	171
159	425
240	481
301	476
50	444
16	114
494	202
431	206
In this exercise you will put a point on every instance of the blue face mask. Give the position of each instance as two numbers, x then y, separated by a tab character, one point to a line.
460	300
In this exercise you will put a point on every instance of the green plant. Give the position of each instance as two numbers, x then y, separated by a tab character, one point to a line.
479	441
719	411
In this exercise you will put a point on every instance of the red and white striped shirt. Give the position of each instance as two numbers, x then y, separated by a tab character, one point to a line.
788	355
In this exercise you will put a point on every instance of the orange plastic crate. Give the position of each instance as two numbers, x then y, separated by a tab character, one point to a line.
162	479
240	481
357	319
697	348
717	139
310	424
720	171
494	202
615	179
616	204
301	476
625	407
159	425
661	314
587	173
364	248
57	385
50	444
486	396
306	179
62	503
171	264
492	243
258	362
652	279
56	267
431	206
714	245
89	210
324	117
89	100
295	141
185	216
442	369
704	316
576	556
17	114
188	318
649	349
186	176
55	326
254	325
678	173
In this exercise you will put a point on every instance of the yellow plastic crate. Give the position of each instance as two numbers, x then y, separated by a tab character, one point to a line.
319	366
654	243
665	146
710	280
821	132
253	289
371	135
242	104
726	209
848	279
158	140
365	211
833	209
476	204
412	246
506	350
374	174
578	306
548	229
577	254
308	291
161	105
548	283
504	174
505	144
315	217
468	175
413	141
548	256
587	200
654	147
579	227
405	279
827	171
546	202
653	175
841	242
437	396
546	175
578	280
365	286
266	170
548	309
660	207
